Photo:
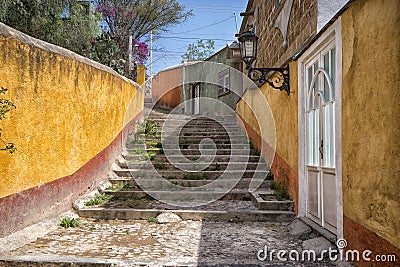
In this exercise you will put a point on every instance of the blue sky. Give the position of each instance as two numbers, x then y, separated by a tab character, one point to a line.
212	19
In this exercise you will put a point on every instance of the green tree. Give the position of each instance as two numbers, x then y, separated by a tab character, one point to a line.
67	23
199	51
137	18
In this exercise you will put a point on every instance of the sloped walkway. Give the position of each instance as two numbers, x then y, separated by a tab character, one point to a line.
142	243
225	224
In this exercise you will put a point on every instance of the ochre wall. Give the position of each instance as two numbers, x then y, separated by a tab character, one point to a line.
166	89
70	110
284	111
371	119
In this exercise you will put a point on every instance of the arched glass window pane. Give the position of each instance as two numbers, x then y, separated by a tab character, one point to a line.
316	84
327	67
333	71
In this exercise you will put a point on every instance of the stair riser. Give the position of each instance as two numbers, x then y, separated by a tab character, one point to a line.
184	197
271	204
234	146
194	166
242	184
218	158
187	176
125	214
236	152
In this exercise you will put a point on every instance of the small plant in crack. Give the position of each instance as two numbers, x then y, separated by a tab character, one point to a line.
151	127
68	222
139	151
151	156
253	149
152	220
117	186
159	166
98	200
280	192
202	176
269	176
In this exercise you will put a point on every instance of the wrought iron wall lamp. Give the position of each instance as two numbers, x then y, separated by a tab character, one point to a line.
248	41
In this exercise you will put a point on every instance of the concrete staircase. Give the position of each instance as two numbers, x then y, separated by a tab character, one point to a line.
196	167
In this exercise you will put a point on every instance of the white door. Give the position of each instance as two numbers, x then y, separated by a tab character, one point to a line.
196	99
320	167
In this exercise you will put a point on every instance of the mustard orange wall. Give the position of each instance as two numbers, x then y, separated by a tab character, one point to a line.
371	117
69	109
284	111
166	89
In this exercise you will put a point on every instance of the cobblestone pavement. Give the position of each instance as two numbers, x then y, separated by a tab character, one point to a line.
186	243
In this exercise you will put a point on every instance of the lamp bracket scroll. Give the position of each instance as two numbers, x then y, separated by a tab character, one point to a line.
277	78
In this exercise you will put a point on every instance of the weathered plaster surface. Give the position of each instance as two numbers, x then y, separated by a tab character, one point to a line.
69	120
371	116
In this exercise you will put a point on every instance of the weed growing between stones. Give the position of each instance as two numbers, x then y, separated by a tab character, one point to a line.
152	220
98	200
280	192
68	222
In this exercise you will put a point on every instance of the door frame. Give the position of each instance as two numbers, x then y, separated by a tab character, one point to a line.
333	33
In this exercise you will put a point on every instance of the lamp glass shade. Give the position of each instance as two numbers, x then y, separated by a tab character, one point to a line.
248	47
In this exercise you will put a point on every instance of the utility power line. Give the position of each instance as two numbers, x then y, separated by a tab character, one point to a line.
218	22
212	6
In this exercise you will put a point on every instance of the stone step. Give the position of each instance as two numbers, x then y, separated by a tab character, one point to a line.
186	195
165	146
199	164
203	126
186	141
191	123
203	175
242	184
194	166
217	158
238	152
265	200
220	215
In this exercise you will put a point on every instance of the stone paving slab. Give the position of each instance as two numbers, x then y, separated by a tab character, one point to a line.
142	243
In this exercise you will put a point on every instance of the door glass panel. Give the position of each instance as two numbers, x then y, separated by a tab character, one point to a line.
333	71
309	80
327	136
316	138
310	134
316	85
326	84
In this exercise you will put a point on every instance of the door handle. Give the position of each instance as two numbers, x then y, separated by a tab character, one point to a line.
321	149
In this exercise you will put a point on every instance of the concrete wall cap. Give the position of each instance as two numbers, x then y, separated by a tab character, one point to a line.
9	32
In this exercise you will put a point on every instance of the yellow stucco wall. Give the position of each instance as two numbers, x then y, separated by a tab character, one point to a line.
371	116
68	110
282	133
284	111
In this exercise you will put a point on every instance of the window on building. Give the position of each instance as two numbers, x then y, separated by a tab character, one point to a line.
223	82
